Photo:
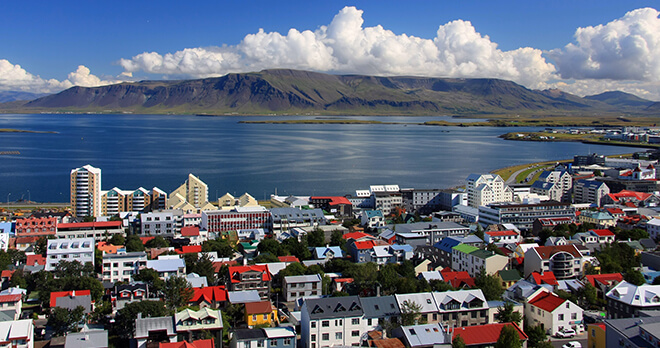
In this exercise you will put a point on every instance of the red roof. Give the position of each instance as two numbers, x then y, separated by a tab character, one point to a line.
35	259
210	343
343	280
457	279
546	252
367	244
92	225
10	298
334	200
605	279
190	231
629	194
547	301
258	307
209	294
546	277
603	233
288	258
501	233
57	294
27	240
234	271
190	249
484	334
218	264
146	239
7	273
357	235
615	211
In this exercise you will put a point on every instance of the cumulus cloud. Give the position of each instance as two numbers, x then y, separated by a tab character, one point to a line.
345	46
624	49
14	77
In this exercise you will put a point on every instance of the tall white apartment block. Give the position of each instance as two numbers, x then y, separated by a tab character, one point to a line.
70	249
486	189
86	191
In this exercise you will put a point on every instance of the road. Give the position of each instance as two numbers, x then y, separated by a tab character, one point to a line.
558	342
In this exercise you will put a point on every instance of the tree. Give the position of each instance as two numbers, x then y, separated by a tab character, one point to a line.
41	246
157	242
509	338
656	280
266	258
18	279
134	243
458	342
151	277
293	269
272	246
337	238
124	325
299	249
201	265
410	313
634	276
506	314
479	232
220	246
316	238
117	239
440	286
177	292
64	320
489	285
535	335
634	234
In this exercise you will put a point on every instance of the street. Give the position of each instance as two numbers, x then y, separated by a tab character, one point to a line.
558	342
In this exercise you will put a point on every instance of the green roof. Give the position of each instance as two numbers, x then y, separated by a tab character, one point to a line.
464	248
509	275
247	245
482	254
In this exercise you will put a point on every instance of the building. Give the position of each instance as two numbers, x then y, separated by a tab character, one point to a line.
332	321
461	308
378	310
154	330
434	231
539	224
270	337
129	293
191	196
193	325
295	287
486	189
422	336
604	282
98	230
210	296
39	227
596	335
72	299
74	249
502	237
565	261
523	215
284	219
470	259
160	223
17	333
168	266
122	266
260	313
372	218
86	191
562	180
599	218
336	205
626	300
219	221
633	332
589	191
553	313
87	338
428	311
653	228
486	335
253	277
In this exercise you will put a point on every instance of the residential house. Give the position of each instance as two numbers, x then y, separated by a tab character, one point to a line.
632	332
486	335
87	338
549	223
122	266
154	330
553	313
284	219
129	293
372	218
653	228
457	280
295	287
626	300
501	237
11	304
327	253
604	282
75	249
260	313
422	336
378	310
332	321
443	250
168	265
193	325
461	308
270	337
486	189
17	333
565	261
434	231
551	190
252	277
39	227
596	335
604	236
472	260
211	297
598	218
428	311
631	199
508	277
335	205
72	299
543	278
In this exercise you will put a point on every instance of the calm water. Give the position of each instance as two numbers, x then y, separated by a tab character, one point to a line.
323	159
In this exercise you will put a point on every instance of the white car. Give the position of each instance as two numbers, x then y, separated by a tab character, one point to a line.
572	344
566	333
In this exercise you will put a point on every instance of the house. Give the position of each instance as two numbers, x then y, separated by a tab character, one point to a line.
631	198
543	278
332	321
486	335
472	260
553	313
444	248
428	311
434	231
270	337
168	265
626	300
87	338
208	343
193	234
523	290
378	310
604	236
252	277
372	218
565	261
633	332
295	287
327	253
508	277
598	218
197	281
549	223
360	251
260	313
72	299
457	280
193	325
430	275
604	282
153	330
653	228
461	308
596	335
11	304
129	293
78	249
422	336
340	284
502	237
243	296
17	333
97	230
211	297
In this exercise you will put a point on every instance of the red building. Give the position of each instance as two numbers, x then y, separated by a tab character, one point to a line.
44	226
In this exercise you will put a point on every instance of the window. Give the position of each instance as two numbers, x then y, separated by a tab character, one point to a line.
369	321
355	321
313	325
560	317
573	316
287	341
337	335
254	317
325	323
261	343
355	333
325	337
313	338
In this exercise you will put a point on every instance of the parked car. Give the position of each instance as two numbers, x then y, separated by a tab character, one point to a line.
572	344
566	333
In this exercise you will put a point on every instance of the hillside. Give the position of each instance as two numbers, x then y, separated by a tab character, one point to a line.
622	99
293	91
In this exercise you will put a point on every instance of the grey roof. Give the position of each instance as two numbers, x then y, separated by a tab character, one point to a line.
434	225
303	278
244	296
71	302
334	307
144	325
591	183
424	335
248	334
648	243
87	339
629	328
542	185
380	307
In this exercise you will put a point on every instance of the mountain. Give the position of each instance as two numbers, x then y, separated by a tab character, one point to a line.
284	91
9	96
621	99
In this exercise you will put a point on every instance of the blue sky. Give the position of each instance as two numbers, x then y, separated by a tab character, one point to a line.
51	45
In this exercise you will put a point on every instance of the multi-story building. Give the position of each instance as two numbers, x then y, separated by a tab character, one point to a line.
168	266
461	308
523	215
193	325
625	300
472	260
599	218
549	189
116	200
86	191
270	337
563	182
295	287
426	201
219	221
434	231
553	313
632	332
502	237
17	333
122	266
332	321
565	261
74	249
653	228
253	277
486	189
284	219
335	205
589	191
160	223
45	226
97	230
192	195
372	218
428	309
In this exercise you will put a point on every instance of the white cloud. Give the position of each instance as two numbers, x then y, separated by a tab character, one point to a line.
345	46
14	77
624	49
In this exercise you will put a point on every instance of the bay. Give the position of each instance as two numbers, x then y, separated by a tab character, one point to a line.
302	159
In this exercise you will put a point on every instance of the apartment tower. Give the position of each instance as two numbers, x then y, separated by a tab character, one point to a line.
86	191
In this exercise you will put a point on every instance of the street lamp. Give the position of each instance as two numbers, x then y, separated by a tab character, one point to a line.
9	194
29	198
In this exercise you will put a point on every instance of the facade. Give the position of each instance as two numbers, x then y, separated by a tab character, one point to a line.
596	335
295	287
86	191
270	337
44	226
284	219
254	277
122	266
653	228
434	231
168	266
17	333
192	195
129	293
116	200
632	332
598	218
260	313
192	325
372	218
565	261
589	191
332	321
504	237
74	249
523	215
553	313
219	221
154	330
461	308
422	336
626	300
96	230
335	205
161	223
561	180
486	189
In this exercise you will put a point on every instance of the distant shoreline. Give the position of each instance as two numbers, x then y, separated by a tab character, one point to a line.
11	130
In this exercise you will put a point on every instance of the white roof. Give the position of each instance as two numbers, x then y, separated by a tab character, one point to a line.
275	332
362	193
641	296
166	265
424	299
460	296
382	251
431	275
654	222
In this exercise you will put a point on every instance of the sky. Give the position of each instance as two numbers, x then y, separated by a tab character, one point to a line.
583	47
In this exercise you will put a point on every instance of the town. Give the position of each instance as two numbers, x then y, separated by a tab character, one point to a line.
566	259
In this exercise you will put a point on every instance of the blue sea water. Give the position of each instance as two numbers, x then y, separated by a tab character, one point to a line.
303	159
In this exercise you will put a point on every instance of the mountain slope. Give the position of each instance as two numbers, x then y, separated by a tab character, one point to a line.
294	91
9	96
621	99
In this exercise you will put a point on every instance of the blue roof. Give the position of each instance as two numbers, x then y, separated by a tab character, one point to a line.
446	244
404	247
373	213
320	252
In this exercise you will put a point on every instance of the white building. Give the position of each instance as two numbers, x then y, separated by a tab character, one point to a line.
74	249
553	312
472	260
168	265
502	237
486	189
17	334
565	261
158	224
295	287
332	321
653	228
589	191
122	266
86	191
561	180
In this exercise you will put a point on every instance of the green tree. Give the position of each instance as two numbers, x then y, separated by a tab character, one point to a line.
64	320
479	232
18	279
134	243
220	246
634	234
316	238
177	292
201	265
151	278
506	314
124	325
509	338
41	246
410	314
272	246
337	238
157	242
489	285
458	342
266	258
293	269
634	276
535	335
299	249
117	239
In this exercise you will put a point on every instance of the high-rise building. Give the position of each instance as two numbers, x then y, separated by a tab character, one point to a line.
86	191
192	195
486	189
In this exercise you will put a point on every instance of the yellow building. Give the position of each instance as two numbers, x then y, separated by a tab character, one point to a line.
596	335
86	191
260	313
192	195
